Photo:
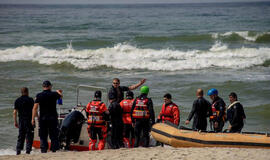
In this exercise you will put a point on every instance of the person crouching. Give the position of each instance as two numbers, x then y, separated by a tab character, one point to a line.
126	106
97	111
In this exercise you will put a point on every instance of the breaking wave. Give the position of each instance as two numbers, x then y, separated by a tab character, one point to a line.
250	36
243	35
124	56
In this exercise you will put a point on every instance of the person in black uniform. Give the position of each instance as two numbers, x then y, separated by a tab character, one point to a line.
117	123
117	91
200	110
48	118
116	94
235	114
142	116
218	108
24	105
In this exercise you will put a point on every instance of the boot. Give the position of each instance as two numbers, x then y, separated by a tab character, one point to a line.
18	152
92	144
101	144
126	142
132	142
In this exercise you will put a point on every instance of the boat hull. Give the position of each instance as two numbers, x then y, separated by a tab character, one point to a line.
175	137
81	145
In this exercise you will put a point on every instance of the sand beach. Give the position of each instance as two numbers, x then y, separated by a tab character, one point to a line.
152	153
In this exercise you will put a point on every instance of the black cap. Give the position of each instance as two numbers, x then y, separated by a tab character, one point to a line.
130	94
46	84
98	94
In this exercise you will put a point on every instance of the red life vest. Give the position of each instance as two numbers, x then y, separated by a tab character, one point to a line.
141	110
95	113
167	112
214	112
126	105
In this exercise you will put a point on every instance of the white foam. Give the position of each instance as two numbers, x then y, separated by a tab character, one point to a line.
10	151
243	34
7	152
124	56
218	46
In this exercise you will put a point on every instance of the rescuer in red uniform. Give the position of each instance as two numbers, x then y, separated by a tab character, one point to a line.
97	111
169	111
126	106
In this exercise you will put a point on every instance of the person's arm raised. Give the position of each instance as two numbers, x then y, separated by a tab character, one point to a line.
132	87
60	92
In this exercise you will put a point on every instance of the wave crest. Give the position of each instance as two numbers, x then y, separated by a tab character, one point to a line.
124	56
243	35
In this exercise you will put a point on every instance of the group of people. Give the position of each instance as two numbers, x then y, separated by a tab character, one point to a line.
27	109
217	112
130	118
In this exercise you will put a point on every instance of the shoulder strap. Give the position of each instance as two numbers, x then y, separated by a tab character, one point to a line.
233	104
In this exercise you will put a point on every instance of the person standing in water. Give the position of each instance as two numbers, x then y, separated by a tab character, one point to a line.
24	105
48	118
218	108
201	109
235	114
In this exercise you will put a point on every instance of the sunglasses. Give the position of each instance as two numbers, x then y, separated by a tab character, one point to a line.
116	83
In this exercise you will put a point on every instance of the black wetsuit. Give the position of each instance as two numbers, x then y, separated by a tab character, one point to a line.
200	110
48	122
236	115
118	93
143	125
117	125
221	108
24	106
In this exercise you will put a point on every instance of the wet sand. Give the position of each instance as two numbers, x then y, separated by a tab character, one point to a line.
152	153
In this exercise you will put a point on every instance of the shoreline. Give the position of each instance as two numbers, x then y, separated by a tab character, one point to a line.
151	153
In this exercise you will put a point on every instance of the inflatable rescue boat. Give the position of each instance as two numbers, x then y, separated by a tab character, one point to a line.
184	137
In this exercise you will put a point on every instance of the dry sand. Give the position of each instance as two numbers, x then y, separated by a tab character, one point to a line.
152	153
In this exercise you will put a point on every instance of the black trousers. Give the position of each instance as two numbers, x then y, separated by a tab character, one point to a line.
93	132
199	124
142	125
237	129
220	126
48	126
117	135
26	132
128	130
